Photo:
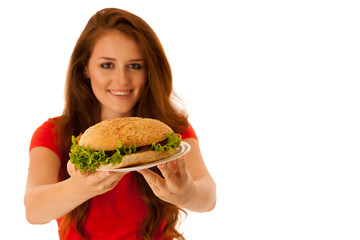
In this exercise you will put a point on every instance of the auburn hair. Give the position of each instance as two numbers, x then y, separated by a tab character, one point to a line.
82	109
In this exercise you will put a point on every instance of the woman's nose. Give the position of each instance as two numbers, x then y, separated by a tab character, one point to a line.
122	77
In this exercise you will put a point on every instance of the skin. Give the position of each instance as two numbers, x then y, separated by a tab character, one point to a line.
116	67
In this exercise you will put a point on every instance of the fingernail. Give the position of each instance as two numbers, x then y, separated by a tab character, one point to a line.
161	165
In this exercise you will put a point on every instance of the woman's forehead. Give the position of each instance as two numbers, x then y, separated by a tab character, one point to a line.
115	44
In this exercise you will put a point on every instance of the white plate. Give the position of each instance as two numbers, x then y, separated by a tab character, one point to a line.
183	149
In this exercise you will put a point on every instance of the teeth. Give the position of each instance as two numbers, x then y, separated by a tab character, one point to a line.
119	93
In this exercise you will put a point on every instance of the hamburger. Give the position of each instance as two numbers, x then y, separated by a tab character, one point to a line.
123	142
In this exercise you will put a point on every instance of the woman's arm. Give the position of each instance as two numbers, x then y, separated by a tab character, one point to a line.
47	199
186	183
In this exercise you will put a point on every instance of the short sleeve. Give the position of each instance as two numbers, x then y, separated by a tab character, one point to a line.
189	133
46	136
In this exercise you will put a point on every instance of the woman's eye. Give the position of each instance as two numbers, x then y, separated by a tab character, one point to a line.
107	65
135	66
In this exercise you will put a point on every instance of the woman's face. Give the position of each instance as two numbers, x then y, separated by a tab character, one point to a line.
117	73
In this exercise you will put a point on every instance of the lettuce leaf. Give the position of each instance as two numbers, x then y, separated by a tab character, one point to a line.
86	159
173	143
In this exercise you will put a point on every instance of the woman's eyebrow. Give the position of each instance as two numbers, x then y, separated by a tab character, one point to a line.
108	58
114	59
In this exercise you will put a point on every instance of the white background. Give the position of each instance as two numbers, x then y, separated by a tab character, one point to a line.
274	97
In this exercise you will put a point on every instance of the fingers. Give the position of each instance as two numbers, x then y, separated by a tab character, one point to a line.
109	178
109	181
176	167
181	164
72	169
173	185
150	176
173	173
152	179
97	182
166	171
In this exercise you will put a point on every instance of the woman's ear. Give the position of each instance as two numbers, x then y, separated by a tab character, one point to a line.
86	72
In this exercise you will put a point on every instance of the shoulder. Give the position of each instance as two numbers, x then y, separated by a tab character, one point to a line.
48	127
51	123
188	132
46	135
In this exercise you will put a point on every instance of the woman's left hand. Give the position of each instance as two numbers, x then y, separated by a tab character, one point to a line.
176	187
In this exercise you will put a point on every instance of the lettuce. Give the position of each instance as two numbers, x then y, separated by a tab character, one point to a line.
173	143
86	159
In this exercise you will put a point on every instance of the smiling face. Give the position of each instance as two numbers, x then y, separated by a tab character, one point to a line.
117	73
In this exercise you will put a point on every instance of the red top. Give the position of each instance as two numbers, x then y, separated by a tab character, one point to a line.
116	214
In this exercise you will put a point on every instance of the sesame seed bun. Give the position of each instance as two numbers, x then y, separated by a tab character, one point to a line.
133	130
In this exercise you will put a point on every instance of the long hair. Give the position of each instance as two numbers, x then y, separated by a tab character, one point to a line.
82	109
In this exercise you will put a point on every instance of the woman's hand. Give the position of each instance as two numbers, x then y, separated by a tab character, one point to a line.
177	186
93	183
47	199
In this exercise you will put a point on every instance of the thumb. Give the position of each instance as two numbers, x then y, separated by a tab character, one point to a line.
70	167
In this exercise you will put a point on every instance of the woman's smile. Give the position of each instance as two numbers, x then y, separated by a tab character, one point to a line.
121	93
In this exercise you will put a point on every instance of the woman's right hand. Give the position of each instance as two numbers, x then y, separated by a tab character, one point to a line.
93	183
47	199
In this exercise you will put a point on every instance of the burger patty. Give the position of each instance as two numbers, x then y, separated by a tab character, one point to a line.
139	149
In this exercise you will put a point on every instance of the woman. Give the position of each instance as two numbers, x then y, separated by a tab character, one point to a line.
118	69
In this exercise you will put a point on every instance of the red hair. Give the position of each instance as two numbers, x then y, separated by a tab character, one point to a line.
154	103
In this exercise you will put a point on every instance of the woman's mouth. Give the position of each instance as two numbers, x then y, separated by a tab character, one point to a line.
120	92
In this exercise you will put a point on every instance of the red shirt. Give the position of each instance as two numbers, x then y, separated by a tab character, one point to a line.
116	214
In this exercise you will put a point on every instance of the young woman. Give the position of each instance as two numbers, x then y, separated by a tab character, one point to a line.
118	69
